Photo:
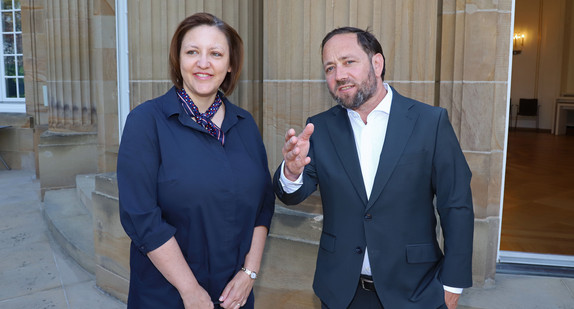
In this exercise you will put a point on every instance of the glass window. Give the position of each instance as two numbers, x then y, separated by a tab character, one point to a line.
9	66
12	65
11	89
21	87
7	4
20	65
8	41
18	21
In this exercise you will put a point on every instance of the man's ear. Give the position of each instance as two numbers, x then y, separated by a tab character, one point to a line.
378	63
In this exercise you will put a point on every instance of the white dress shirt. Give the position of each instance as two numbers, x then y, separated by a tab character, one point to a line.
369	140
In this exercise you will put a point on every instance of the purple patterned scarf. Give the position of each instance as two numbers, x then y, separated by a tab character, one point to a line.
204	119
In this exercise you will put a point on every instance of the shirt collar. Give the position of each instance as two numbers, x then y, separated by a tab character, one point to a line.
383	106
172	106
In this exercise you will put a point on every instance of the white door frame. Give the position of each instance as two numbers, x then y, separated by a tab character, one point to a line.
515	257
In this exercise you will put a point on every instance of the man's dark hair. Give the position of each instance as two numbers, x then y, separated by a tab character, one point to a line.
365	38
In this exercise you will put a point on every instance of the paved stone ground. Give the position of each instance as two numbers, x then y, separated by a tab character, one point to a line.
36	274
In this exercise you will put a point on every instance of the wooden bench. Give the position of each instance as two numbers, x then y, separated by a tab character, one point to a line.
2	159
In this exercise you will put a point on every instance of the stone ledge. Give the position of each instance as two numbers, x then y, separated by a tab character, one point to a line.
71	226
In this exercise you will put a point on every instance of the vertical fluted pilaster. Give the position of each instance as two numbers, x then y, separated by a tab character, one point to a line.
68	78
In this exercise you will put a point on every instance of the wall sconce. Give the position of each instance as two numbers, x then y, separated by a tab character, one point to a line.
518	43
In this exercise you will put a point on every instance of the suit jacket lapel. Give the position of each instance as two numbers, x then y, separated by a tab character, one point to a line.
399	128
344	141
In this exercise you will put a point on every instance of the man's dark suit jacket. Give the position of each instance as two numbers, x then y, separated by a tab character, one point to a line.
421	159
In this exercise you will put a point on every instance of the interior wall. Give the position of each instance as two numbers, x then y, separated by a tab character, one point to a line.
568	62
536	71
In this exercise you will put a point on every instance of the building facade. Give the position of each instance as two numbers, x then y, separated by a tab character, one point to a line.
88	62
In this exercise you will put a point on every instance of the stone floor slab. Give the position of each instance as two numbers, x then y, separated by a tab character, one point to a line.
29	279
51	299
522	292
88	296
38	253
22	229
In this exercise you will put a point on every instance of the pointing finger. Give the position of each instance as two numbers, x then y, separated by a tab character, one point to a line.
306	134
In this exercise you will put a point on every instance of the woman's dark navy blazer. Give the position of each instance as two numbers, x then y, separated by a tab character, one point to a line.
175	179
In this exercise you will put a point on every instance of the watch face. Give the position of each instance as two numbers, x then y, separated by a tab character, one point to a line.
253	275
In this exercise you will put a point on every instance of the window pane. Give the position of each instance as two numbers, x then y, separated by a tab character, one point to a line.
8	40
7	22
11	88
18	17
18	44
21	88
17	4
20	65
9	66
7	4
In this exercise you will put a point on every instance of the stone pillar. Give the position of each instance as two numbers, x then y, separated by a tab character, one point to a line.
103	80
35	58
24	152
473	87
68	147
69	66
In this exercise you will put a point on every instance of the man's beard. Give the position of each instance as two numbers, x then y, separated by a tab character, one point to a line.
365	91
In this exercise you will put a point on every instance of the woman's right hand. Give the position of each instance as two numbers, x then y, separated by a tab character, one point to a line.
196	298
169	260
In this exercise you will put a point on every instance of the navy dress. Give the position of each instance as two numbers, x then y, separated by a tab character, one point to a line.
175	179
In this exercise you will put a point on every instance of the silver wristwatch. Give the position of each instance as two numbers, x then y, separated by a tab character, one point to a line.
250	273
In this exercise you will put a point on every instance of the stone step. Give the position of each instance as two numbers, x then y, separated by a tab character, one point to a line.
85	185
296	225
71	225
288	264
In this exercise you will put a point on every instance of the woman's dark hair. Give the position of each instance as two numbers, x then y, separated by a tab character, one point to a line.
233	39
366	39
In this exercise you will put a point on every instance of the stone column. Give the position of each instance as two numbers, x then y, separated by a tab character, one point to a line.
35	58
69	66
473	87
103	80
69	146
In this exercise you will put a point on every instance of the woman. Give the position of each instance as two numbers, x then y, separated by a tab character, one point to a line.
194	186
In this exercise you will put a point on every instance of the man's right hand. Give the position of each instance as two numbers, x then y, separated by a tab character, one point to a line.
295	152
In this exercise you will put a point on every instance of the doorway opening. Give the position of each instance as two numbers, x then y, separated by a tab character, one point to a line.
538	215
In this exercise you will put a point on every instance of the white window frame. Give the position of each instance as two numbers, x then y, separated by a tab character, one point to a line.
9	105
123	64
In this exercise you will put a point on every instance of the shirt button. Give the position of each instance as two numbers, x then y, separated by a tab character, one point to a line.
368	217
358	250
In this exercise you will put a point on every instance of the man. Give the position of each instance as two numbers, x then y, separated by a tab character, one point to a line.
380	159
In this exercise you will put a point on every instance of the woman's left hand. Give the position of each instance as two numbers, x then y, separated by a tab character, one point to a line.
237	291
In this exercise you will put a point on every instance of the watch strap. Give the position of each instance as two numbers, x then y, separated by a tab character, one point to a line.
250	273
